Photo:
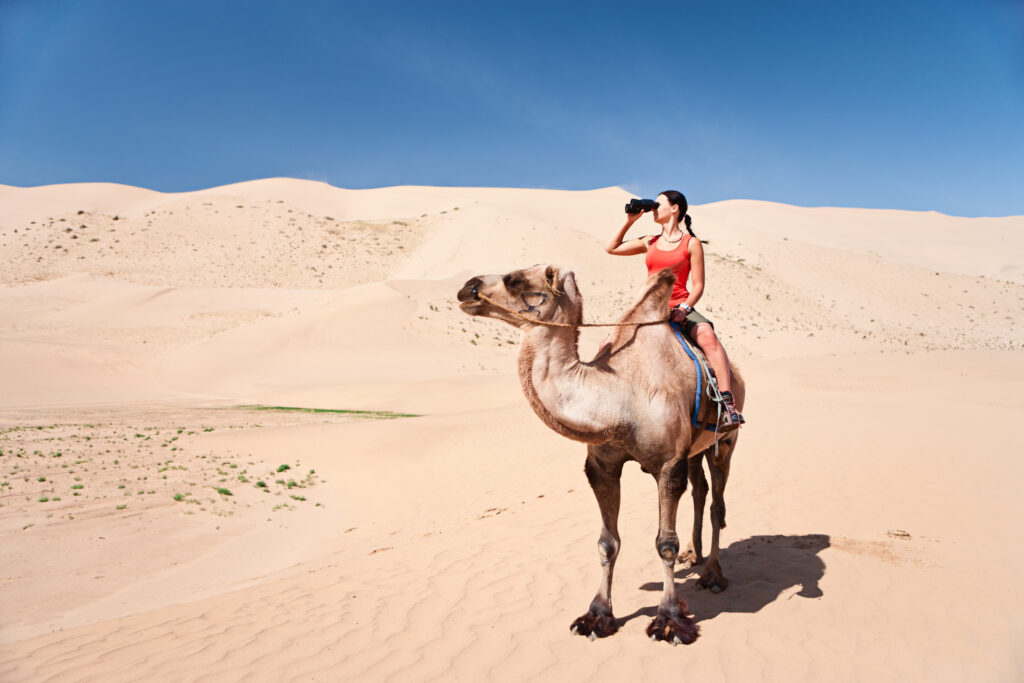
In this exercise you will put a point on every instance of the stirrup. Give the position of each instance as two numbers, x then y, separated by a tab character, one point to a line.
726	424
729	418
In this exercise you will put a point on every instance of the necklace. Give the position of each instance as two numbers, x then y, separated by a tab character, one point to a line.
671	241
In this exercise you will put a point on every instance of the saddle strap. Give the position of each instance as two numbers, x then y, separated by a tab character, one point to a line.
712	386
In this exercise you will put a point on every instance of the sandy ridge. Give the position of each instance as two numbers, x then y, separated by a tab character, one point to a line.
869	507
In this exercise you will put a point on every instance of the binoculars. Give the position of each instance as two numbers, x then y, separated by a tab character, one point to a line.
641	205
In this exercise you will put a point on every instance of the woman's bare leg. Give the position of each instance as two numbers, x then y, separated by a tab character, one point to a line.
708	342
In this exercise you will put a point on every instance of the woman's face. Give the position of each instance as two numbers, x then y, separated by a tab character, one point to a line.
663	214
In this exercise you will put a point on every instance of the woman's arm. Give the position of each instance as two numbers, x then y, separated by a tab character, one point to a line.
696	272
635	246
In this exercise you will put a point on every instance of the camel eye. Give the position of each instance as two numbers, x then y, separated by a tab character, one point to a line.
513	283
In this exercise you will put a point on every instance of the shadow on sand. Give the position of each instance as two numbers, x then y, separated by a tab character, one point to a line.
759	569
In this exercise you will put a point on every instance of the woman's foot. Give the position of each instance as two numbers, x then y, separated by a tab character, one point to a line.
730	418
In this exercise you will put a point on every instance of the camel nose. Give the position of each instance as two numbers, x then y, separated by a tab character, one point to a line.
470	290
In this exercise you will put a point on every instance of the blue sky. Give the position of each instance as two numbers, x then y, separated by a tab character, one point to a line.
910	105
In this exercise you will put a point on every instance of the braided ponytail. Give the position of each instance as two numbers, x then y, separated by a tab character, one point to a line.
679	199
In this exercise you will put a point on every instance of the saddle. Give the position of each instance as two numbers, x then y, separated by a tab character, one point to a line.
705	413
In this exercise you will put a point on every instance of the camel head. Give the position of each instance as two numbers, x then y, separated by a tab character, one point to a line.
539	292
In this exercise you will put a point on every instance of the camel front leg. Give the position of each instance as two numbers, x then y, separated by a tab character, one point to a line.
604	475
712	577
673	622
694	554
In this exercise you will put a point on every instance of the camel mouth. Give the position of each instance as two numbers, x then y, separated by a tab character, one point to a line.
469	295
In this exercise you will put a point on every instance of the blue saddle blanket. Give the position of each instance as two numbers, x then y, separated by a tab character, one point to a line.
694	420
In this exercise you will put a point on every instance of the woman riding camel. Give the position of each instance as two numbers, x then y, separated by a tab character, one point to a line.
683	253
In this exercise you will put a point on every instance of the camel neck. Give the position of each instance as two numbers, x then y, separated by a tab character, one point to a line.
559	387
554	348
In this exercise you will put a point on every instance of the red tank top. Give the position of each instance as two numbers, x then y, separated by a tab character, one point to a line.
677	260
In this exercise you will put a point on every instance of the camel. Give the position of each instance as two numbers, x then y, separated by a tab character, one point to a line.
632	402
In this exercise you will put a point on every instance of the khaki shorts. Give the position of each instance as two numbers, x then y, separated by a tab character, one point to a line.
693	318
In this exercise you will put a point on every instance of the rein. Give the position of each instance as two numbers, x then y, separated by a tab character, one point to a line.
522	317
699	362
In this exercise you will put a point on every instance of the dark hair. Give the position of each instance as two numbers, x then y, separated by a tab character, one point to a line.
679	199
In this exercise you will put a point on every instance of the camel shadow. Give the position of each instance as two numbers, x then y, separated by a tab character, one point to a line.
759	569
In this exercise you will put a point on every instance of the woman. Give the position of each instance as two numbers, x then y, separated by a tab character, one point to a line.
683	253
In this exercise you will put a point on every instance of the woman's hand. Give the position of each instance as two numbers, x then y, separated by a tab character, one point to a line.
676	315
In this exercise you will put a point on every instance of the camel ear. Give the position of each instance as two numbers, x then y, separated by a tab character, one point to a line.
551	275
568	285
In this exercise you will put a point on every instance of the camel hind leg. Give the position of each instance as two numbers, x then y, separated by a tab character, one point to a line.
712	577
604	475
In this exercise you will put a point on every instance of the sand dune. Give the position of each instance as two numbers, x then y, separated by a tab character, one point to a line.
160	527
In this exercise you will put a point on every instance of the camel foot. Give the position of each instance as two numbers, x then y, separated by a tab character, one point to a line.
674	626
594	625
713	579
690	558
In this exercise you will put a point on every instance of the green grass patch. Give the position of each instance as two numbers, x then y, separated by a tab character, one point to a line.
371	414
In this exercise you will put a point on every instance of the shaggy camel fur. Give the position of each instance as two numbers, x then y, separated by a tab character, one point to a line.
633	402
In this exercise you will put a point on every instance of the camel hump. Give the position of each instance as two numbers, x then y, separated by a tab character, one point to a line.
664	275
651	304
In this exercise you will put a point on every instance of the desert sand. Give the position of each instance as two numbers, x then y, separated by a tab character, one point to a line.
160	520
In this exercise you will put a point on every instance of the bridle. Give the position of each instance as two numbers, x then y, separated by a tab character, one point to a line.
532	308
